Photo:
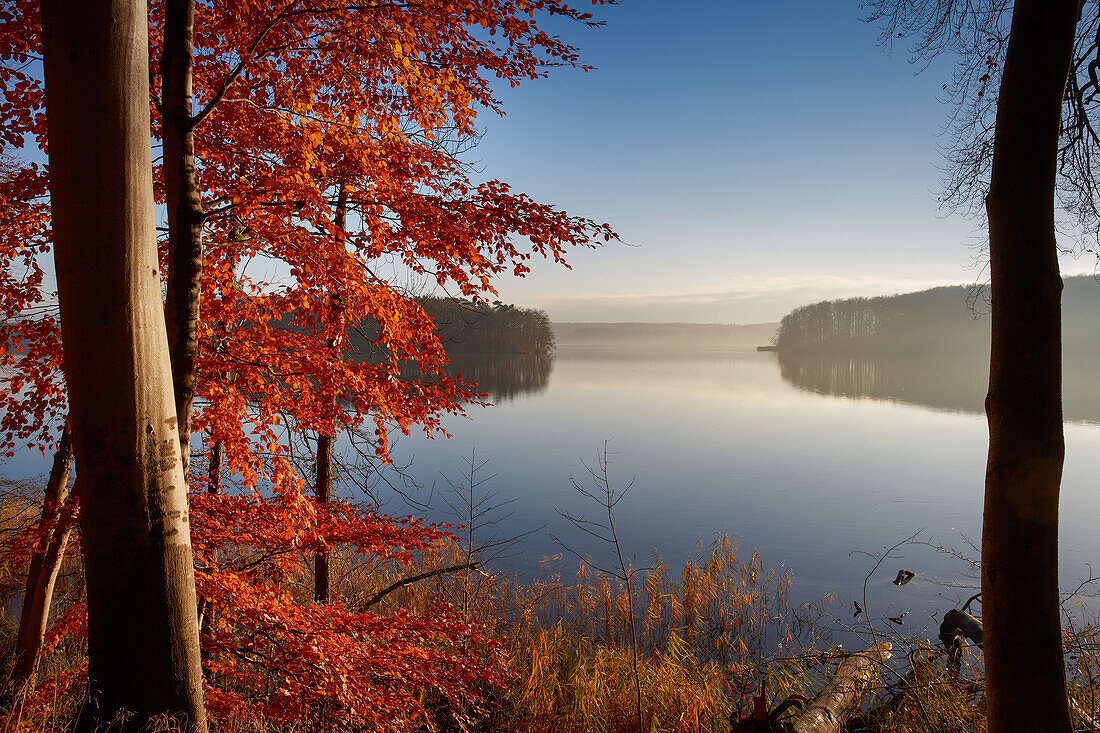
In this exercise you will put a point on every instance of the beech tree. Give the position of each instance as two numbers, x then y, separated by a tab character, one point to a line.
275	109
142	625
1024	103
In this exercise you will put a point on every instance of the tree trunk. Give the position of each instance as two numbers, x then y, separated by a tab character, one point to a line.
321	572
54	529
1025	676
217	458
143	653
183	198
321	575
206	607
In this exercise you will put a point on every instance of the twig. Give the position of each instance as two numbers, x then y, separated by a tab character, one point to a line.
415	579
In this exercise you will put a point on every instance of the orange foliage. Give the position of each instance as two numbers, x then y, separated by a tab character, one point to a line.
295	99
271	656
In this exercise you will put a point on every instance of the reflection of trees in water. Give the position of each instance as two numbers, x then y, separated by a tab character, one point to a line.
504	376
955	383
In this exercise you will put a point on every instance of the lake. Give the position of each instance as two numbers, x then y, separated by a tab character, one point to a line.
809	460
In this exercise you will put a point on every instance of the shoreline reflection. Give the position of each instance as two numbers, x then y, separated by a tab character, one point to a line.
941	382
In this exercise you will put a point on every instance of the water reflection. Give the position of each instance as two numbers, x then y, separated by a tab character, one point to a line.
504	376
944	382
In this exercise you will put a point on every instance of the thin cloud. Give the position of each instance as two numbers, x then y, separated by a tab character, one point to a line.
742	300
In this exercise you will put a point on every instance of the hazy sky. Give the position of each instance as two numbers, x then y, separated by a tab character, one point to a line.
754	155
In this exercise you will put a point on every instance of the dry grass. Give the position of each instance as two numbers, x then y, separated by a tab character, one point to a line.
709	633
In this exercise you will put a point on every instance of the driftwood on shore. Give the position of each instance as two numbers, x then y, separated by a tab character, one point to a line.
840	699
837	702
956	625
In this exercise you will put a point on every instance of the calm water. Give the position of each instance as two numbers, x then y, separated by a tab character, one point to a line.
810	461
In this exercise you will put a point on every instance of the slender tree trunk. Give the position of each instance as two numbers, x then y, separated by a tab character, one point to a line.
1025	676
54	529
183	197
143	652
321	573
213	487
217	458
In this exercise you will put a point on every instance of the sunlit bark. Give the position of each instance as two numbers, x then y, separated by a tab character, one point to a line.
143	653
54	530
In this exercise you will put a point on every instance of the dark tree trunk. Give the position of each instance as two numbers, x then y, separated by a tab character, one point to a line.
183	198
1025	676
321	575
55	529
217	458
143	652
213	487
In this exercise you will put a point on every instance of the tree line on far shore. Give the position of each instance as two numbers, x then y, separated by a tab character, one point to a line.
462	326
945	320
466	327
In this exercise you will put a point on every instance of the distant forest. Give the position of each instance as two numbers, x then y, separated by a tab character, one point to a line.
498	328
473	328
941	320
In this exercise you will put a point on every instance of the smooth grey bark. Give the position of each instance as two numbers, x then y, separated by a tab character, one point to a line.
143	652
1024	667
183	197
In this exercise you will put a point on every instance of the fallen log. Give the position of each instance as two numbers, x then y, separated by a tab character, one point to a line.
960	622
956	625
840	699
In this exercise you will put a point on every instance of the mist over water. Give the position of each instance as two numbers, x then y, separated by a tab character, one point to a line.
810	460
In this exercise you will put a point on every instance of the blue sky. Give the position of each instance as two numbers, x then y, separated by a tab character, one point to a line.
755	156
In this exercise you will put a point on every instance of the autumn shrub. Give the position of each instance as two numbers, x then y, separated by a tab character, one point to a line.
274	659
929	691
18	510
709	634
1082	648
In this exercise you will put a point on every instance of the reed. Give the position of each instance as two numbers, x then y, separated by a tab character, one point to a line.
710	633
